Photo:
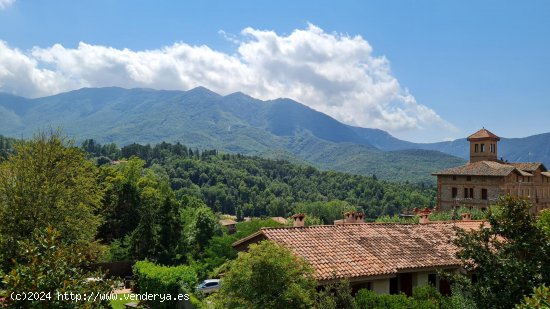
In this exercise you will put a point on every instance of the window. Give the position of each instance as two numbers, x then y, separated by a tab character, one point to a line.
468	178
454	192
468	192
482	147
476	148
394	288
484	194
432	279
493	148
454	177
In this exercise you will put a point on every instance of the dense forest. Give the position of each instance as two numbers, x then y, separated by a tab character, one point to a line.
253	186
64	206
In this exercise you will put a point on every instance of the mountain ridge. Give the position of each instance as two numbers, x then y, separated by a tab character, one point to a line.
237	123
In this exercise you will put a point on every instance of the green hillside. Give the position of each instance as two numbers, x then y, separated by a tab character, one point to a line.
255	186
237	123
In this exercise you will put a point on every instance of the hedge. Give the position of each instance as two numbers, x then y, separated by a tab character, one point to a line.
155	279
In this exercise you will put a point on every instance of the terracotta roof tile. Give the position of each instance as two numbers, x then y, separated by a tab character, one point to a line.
528	166
480	168
492	168
374	249
483	133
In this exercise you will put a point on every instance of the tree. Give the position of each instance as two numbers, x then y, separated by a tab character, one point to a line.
47	181
170	232
204	226
267	276
48	267
509	258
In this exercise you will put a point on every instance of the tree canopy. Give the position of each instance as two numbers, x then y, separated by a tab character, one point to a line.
508	259
267	276
47	181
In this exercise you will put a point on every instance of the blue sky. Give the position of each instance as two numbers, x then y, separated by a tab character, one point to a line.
433	70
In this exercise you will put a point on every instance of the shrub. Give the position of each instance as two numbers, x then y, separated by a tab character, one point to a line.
152	278
539	299
45	266
267	276
368	299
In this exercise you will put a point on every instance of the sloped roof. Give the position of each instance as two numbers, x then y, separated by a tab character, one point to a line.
528	166
226	222
482	134
368	250
492	168
480	168
547	174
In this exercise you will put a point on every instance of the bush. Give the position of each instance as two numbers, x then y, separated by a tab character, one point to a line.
539	299
152	278
427	293
336	295
267	276
46	266
368	299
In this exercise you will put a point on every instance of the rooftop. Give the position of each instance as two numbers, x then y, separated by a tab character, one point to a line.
483	134
493	168
357	251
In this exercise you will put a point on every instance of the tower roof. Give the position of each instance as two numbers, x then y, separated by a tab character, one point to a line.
483	134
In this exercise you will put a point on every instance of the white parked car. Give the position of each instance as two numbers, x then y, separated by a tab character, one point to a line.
209	286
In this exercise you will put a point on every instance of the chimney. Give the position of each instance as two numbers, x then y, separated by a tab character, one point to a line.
349	217
424	216
299	220
466	216
359	217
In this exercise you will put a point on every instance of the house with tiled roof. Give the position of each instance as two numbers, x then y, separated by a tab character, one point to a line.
383	257
486	177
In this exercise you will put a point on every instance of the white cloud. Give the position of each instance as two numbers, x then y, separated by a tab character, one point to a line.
334	73
4	4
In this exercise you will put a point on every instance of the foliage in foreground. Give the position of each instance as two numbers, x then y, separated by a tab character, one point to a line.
267	276
538	300
152	278
509	258
45	181
47	266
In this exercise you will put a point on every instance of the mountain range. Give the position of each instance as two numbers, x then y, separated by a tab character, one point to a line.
238	123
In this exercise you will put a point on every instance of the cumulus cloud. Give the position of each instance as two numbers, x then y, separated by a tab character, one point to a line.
4	4
333	73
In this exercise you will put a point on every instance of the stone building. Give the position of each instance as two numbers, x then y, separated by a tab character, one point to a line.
485	178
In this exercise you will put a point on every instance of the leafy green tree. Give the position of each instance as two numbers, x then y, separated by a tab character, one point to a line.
47	181
144	239
170	245
509	258
336	295
204	226
538	300
48	267
543	221
267	276
121	201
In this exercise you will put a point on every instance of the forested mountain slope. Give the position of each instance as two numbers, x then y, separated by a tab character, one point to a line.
254	186
234	123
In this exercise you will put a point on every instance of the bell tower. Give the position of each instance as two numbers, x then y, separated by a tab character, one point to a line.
483	146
